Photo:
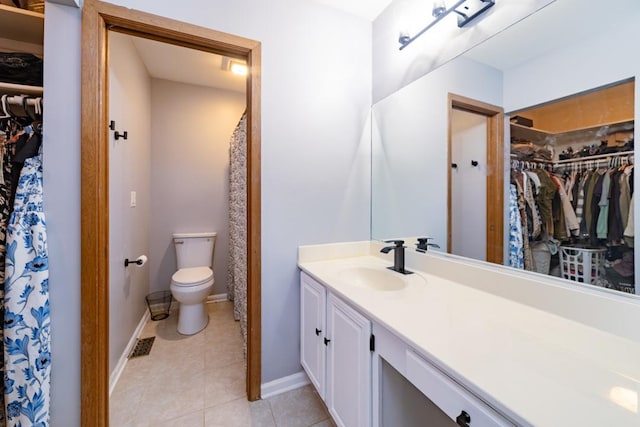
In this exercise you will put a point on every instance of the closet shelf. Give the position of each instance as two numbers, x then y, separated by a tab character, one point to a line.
14	89
594	157
21	25
590	133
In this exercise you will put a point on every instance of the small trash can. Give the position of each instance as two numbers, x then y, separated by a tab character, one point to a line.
159	304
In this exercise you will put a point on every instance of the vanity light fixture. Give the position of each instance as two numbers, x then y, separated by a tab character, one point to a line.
467	10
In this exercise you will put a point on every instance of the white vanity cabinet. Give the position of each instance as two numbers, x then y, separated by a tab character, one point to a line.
335	352
312	331
454	401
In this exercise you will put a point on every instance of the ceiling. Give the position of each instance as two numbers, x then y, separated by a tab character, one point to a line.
367	9
558	24
179	64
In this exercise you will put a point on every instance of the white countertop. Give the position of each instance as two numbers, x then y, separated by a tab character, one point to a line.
536	367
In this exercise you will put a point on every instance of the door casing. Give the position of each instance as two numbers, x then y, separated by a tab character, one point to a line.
97	19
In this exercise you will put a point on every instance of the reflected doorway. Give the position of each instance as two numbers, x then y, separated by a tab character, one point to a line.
475	180
468	186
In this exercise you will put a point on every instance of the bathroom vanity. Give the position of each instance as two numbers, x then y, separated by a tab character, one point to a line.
461	343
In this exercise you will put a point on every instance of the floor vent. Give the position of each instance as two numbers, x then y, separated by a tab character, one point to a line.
142	347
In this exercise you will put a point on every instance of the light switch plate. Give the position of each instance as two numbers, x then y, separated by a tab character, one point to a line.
132	203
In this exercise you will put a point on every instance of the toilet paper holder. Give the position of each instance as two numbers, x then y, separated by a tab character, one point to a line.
139	261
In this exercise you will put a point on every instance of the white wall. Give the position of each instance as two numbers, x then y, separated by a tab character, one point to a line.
61	147
129	170
394	68
316	95
409	193
607	57
190	128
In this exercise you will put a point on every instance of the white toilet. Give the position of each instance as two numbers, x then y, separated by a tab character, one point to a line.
193	281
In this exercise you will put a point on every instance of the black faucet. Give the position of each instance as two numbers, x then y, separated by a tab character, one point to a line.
398	256
423	244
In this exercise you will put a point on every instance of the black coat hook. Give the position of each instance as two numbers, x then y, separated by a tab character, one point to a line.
474	163
454	165
117	135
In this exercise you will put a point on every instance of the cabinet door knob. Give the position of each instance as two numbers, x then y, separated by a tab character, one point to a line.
318	332
326	341
463	419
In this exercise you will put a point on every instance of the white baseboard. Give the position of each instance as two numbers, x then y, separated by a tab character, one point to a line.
284	384
216	298
122	362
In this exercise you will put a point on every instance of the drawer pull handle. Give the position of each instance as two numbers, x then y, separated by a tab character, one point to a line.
318	332
464	419
326	341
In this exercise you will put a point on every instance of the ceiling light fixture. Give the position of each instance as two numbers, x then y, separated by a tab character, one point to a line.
237	67
467	10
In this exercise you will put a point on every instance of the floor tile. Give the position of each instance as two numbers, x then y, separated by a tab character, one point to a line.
173	398
199	380
261	415
224	384
326	423
231	414
194	419
299	407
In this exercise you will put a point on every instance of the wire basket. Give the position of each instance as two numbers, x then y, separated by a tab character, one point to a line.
582	264
159	304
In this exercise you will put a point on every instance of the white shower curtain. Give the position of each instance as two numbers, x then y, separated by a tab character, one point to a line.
237	275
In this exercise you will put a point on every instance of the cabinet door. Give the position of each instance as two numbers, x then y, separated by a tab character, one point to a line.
312	325
348	365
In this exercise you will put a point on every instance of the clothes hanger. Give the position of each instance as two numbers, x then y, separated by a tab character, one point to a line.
5	112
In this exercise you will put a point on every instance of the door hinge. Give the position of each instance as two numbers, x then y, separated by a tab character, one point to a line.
372	343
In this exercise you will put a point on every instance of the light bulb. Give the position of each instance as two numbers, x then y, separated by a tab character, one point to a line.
438	8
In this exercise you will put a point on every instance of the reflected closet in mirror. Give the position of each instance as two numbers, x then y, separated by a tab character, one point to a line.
571	188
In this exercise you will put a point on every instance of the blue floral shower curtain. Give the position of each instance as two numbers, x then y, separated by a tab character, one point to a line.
26	319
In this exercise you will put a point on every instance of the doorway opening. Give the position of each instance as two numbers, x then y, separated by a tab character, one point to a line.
98	19
489	165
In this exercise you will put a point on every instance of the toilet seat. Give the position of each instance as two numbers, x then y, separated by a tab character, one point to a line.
193	276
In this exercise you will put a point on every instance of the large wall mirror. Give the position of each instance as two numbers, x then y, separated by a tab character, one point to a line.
529	133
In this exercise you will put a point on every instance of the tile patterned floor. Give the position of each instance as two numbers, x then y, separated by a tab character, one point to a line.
199	381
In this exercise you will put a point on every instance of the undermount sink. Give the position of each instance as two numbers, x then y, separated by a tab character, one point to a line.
374	278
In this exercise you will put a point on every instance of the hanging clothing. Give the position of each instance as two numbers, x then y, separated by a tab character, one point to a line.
5	211
629	231
517	179
516	245
237	271
625	196
26	318
580	204
602	224
614	221
545	197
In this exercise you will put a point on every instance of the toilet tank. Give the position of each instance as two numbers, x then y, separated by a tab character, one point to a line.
194	249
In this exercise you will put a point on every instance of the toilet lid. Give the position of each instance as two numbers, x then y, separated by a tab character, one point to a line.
192	276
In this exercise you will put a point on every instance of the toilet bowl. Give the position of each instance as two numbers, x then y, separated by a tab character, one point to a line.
190	287
194	280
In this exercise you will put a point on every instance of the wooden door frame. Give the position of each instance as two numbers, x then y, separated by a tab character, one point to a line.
495	179
97	18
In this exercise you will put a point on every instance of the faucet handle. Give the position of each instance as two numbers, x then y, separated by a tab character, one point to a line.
423	243
398	243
